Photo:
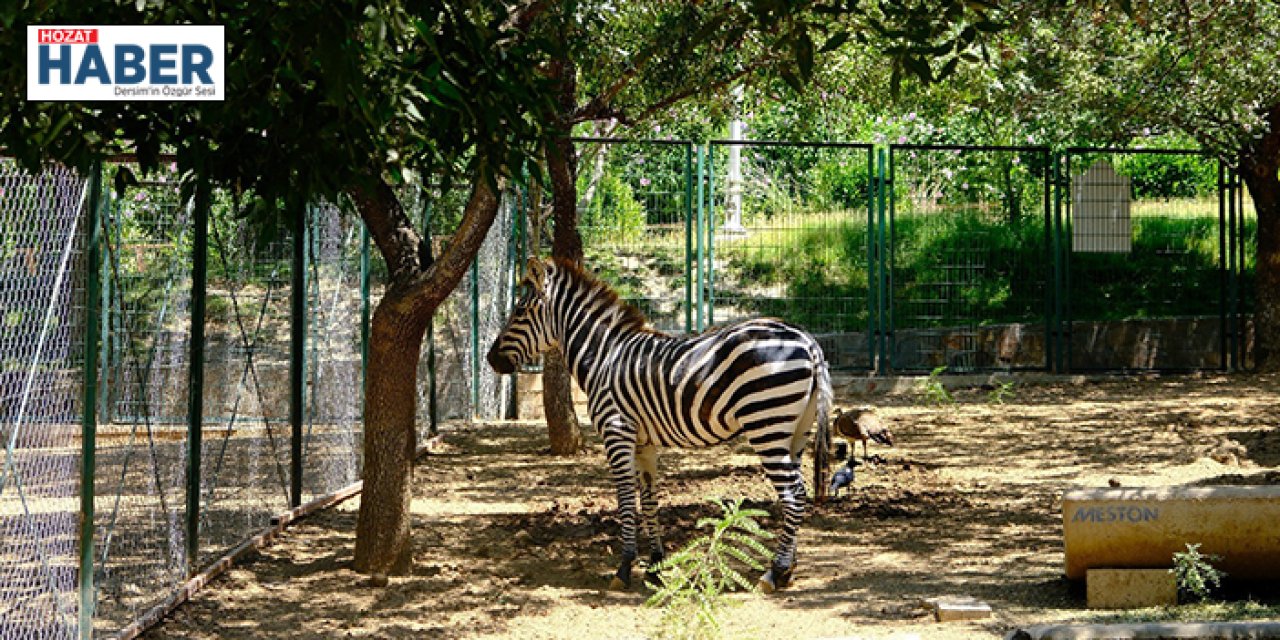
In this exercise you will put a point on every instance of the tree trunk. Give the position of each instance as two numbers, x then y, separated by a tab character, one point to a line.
416	287
383	535
557	389
1258	168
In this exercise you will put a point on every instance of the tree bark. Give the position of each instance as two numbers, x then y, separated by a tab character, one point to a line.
416	289
557	388
1260	170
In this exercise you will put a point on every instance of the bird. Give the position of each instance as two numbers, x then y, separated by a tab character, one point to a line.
862	424
842	478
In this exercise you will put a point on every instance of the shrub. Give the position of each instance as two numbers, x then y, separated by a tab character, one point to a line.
613	215
695	578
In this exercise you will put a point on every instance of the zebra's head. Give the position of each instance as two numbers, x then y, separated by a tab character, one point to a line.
527	334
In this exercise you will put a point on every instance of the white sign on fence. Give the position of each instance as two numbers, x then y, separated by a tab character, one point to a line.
1100	221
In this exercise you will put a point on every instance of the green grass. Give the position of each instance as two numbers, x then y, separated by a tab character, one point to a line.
966	264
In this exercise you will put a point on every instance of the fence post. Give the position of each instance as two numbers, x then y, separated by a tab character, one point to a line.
1050	174
475	337
1224	269
710	285
432	411
688	236
195	377
297	348
89	417
886	260
873	270
364	315
700	224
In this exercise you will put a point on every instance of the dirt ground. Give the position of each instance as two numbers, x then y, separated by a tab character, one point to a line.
512	543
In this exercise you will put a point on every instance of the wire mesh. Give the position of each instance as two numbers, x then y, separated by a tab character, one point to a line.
246	435
634	205
788	237
1146	284
42	316
334	434
141	453
969	260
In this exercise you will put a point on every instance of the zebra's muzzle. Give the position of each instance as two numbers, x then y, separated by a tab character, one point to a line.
500	362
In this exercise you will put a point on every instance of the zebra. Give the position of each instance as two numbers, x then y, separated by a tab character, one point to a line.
764	379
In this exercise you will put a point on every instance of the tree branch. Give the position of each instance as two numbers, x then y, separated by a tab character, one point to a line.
390	228
431	286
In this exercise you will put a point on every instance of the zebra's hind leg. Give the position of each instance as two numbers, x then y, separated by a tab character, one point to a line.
646	481
620	449
783	472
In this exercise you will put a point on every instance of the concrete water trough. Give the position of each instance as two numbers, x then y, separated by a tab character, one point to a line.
1141	528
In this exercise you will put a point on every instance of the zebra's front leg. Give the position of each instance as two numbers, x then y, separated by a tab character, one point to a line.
646	482
620	449
784	474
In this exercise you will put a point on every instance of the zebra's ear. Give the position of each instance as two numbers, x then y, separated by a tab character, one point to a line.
537	274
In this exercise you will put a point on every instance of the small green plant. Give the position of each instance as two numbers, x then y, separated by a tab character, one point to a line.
695	579
1196	576
1002	390
933	389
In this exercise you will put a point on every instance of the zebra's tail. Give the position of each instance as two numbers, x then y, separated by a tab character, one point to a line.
822	439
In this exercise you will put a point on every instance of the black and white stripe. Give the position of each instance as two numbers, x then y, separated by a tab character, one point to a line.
763	379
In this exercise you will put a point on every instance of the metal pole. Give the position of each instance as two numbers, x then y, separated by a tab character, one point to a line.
688	237
698	294
1064	266
195	385
1048	249
89	417
1224	269
1235	253
432	411
873	291
475	336
297	350
711	236
887	198
364	313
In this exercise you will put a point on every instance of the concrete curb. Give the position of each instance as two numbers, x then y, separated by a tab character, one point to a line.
1152	631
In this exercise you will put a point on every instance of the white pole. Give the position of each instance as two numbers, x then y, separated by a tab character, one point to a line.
733	201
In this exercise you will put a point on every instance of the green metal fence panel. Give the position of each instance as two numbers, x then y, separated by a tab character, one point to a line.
969	258
42	321
1146	277
790	235
636	215
1242	264
140	460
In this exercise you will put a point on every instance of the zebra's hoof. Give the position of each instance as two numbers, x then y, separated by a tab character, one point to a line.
653	577
617	584
775	578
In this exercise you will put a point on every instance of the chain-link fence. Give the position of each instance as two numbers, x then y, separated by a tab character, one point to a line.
42	320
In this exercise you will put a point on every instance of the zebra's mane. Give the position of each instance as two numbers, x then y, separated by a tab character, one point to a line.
599	290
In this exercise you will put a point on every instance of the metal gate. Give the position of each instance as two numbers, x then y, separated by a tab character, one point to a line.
1149	248
968	258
